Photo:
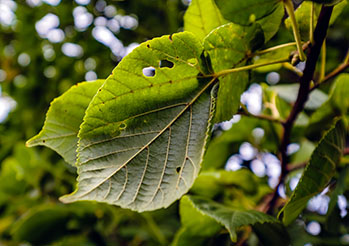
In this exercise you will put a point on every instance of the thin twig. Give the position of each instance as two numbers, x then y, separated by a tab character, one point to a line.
296	166
303	93
341	68
261	116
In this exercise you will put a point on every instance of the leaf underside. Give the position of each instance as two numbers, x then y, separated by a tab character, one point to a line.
64	118
318	173
143	137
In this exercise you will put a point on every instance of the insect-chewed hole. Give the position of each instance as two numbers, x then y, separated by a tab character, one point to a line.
166	63
122	126
178	169
148	71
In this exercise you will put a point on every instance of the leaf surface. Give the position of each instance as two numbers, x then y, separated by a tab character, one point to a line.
318	173
143	137
201	17
64	118
230	218
268	13
229	46
196	226
336	105
303	12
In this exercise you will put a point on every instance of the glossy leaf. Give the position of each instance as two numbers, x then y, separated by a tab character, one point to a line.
143	137
267	13
232	219
201	17
64	118
229	46
318	173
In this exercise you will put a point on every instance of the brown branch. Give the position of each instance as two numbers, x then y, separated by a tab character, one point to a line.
303	94
260	116
341	68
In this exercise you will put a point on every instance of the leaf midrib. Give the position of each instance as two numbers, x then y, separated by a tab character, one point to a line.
153	139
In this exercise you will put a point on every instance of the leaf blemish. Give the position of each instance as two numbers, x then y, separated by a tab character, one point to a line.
148	71
122	126
178	169
166	63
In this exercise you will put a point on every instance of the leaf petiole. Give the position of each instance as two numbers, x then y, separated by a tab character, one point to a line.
275	48
290	11
311	28
323	61
248	67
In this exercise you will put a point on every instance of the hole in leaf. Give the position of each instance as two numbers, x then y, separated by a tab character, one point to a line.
178	169
122	126
166	63
148	71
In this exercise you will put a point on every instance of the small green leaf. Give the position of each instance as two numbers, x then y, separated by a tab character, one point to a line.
339	93
229	46
232	219
196	226
201	17
64	118
267	13
143	136
318	172
39	226
336	105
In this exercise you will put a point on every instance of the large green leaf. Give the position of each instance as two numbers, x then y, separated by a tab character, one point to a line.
268	13
232	219
64	118
303	13
201	17
318	173
229	46
143	137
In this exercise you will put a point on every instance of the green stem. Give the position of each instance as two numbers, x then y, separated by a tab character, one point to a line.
155	229
346	59
323	61
290	11
275	48
248	67
292	68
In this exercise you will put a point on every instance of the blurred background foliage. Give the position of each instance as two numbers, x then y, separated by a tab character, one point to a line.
46	46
